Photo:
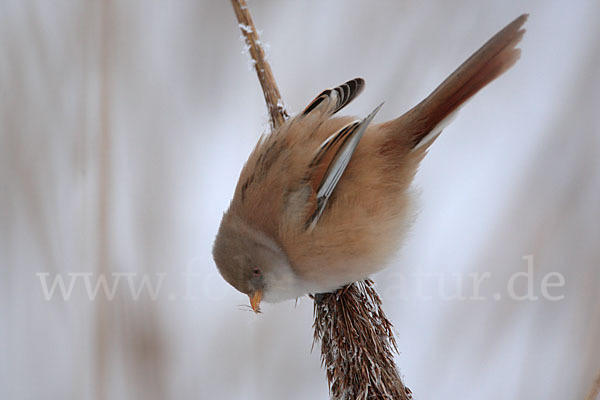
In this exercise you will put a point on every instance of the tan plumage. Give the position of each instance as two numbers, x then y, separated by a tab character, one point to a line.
301	220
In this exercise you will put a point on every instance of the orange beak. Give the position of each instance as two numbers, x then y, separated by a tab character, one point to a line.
255	299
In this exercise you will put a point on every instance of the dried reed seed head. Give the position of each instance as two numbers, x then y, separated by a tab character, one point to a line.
357	344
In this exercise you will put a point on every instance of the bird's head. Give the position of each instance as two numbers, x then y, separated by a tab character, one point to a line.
253	263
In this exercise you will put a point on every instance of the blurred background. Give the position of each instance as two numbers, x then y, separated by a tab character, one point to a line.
123	128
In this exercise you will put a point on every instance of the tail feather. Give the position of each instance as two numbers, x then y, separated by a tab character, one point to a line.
420	126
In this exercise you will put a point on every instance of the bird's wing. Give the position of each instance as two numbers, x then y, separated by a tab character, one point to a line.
329	164
333	100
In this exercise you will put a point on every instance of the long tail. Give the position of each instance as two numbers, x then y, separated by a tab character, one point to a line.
420	126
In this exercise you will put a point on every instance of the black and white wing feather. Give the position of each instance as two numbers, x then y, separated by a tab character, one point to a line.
333	100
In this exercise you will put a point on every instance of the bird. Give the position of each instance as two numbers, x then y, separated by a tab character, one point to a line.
326	200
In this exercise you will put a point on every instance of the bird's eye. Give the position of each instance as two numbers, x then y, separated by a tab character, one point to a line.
256	272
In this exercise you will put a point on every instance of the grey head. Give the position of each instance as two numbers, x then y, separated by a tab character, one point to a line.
253	263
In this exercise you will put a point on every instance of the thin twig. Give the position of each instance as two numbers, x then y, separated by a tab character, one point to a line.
277	111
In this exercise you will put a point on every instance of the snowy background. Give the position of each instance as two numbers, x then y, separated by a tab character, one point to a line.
124	125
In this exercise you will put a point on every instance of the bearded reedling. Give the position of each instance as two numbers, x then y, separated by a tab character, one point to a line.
324	201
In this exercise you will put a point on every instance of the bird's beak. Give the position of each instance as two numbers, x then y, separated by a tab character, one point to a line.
255	299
